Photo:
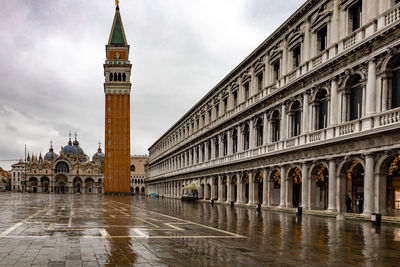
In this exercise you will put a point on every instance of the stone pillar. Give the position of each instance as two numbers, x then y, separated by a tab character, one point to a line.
206	151
371	88
385	89
229	188
369	185
334	102
284	65
266	190
240	189
305	112
205	188
220	188
251	189
283	133
239	139
265	129
229	141
307	42
251	134
304	186
335	22
332	185
221	146
283	187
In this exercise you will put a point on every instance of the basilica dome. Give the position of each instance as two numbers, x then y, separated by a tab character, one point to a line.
98	155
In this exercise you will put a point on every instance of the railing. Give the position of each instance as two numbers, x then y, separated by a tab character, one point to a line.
317	61
350	41
347	128
272	147
291	142
315	137
389	118
392	16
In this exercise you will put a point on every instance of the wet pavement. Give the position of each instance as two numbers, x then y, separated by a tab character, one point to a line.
91	230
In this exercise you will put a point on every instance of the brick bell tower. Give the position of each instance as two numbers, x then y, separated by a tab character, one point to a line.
117	88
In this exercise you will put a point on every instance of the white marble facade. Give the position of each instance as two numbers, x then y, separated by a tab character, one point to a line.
310	116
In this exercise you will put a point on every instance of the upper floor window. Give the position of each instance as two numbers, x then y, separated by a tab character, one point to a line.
356	96
234	141
235	98
216	110
225	101
225	144
209	115
296	53
246	88
259	132
355	16
295	118
322	39
276	66
321	104
246	137
216	147
260	81
395	84
198	123
275	126
209	149
203	119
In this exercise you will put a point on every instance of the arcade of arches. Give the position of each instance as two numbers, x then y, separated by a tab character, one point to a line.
321	185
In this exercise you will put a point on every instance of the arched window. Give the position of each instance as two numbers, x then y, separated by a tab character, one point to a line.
246	137
393	96
133	168
275	126
124	77
62	167
111	77
321	110
203	153
115	77
119	77
259	132
209	149
225	144
234	141
356	96
216	147
295	119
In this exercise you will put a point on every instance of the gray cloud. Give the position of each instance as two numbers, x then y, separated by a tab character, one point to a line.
52	51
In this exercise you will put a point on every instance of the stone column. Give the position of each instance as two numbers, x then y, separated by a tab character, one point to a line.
369	185
229	188
220	188
265	129
251	134
385	86
240	189
283	187
307	42
205	188
266	190
335	22
283	133
229	141
334	102
305	112
206	151
332	185
239	141
221	146
371	88
304	186
251	189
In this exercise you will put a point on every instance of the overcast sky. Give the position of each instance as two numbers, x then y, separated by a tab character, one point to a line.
52	54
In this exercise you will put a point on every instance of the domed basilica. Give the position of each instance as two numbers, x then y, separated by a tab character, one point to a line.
70	171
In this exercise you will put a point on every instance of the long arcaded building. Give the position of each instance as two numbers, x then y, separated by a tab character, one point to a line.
310	116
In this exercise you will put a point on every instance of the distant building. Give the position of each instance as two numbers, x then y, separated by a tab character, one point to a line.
139	176
72	171
4	180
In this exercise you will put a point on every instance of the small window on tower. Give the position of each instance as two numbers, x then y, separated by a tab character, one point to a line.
109	109
119	77
109	142
109	131
109	98
115	77
111	77
124	77
109	120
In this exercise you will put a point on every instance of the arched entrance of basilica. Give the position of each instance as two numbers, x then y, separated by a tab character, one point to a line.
60	184
77	184
45	184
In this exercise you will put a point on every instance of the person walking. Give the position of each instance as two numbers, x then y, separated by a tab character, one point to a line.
359	204
348	204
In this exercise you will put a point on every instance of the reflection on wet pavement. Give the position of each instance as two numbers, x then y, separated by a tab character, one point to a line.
84	230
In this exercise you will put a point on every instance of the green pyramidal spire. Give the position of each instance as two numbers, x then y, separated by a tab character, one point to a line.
117	35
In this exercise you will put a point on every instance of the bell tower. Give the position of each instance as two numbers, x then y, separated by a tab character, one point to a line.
117	88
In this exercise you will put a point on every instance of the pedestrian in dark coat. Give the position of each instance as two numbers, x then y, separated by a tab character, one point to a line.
348	204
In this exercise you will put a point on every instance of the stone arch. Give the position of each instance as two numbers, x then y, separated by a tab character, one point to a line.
45	184
294	187
89	185
234	188
142	191
351	179
61	182
319	189
62	167
245	181
275	178
33	185
224	188
259	186
77	185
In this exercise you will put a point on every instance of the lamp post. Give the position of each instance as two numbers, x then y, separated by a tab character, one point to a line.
24	180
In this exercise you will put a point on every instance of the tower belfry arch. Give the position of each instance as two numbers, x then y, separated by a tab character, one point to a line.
117	88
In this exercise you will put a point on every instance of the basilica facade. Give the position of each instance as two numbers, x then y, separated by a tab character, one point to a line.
309	119
70	171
